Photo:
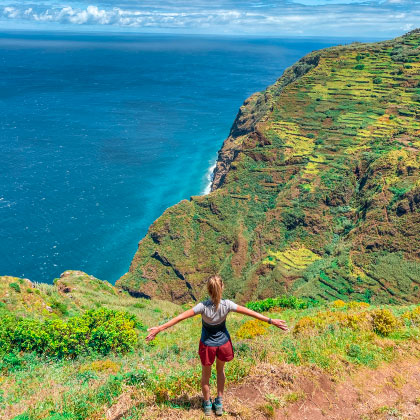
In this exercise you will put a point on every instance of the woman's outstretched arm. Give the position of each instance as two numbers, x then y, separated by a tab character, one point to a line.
154	331
279	323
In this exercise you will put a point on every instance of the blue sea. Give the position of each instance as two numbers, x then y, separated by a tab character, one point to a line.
99	134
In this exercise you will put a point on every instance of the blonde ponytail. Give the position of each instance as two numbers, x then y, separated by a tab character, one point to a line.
215	288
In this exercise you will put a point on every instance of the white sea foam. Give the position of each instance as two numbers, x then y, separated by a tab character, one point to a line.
209	177
6	203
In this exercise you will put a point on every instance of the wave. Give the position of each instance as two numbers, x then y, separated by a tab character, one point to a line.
6	203
209	177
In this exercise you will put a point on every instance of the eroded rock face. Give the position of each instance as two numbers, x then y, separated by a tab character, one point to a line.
315	192
64	288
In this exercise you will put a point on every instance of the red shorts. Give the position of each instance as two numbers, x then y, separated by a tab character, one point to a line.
209	353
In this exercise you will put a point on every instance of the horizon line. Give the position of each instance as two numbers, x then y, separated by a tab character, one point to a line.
83	31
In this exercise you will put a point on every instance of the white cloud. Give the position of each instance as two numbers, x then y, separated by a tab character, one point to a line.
408	27
274	17
117	16
11	12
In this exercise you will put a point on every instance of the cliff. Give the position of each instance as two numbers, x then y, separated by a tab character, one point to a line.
316	191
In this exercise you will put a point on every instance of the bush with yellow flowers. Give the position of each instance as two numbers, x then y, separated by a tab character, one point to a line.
413	316
357	305
384	321
323	320
251	329
106	365
339	304
305	325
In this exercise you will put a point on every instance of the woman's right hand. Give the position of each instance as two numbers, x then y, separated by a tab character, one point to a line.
280	323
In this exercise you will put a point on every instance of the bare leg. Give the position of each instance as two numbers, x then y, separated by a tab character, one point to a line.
221	377
205	381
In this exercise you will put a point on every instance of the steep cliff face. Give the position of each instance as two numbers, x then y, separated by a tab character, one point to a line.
316	190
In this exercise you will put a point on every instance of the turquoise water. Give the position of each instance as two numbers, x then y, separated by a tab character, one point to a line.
100	134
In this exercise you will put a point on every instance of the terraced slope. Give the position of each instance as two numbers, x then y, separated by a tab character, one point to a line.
316	191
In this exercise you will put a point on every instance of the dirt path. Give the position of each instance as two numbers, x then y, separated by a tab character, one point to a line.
390	392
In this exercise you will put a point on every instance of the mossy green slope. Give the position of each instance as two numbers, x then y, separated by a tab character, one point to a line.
316	191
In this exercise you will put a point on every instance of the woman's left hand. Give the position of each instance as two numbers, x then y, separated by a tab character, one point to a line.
279	323
153	332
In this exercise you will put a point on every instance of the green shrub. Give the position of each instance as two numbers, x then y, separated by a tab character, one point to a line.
293	218
15	287
377	80
268	410
359	66
23	416
7	321
28	335
137	377
360	355
101	331
60	416
241	348
11	362
284	301
354	350
59	306
367	295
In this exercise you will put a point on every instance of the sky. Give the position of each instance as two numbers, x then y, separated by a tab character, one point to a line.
341	18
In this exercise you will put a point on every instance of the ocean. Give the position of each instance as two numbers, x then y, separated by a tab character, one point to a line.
99	134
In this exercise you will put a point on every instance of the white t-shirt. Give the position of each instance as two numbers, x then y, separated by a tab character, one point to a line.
210	315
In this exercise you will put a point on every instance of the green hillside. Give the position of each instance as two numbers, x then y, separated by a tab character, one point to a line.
316	190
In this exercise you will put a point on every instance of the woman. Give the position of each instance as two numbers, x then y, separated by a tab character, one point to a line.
215	340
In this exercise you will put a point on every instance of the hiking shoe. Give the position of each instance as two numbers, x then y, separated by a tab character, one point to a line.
207	405
218	406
